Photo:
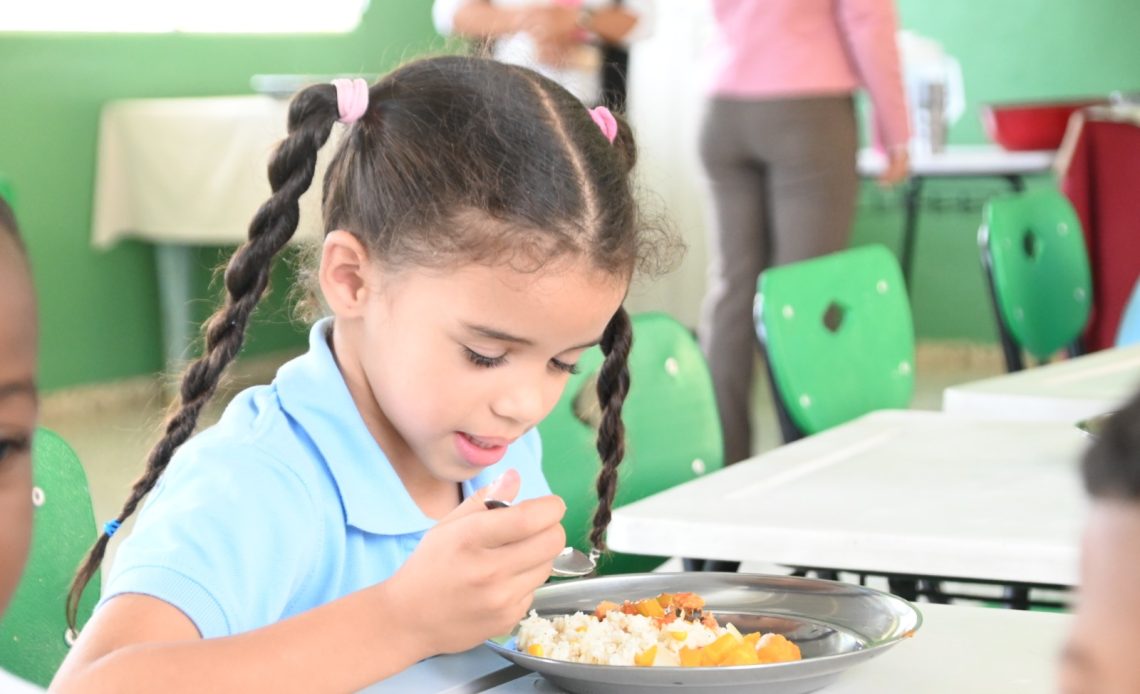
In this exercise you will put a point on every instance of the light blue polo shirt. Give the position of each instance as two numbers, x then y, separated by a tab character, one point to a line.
285	504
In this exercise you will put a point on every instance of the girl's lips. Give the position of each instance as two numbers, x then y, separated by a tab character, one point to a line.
480	451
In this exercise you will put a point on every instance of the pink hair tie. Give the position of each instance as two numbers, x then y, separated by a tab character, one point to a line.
351	99
605	121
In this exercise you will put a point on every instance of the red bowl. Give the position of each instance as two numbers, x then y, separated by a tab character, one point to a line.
1026	126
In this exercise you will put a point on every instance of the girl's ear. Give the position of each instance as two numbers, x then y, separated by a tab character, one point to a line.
344	274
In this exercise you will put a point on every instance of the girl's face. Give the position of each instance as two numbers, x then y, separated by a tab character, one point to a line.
461	363
18	412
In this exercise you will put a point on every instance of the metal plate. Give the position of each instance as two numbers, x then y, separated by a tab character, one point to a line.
836	625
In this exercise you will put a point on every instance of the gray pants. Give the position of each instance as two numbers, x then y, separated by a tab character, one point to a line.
783	183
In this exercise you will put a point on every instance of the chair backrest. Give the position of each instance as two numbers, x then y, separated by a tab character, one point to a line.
34	636
1034	253
672	430
838	336
1128	333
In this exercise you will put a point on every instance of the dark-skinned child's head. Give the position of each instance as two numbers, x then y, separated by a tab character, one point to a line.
1100	657
19	405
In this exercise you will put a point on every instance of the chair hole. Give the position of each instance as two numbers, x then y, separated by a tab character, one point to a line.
38	497
1030	244
833	317
698	466
69	637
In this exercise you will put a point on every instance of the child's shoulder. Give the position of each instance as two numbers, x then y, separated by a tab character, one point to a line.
253	439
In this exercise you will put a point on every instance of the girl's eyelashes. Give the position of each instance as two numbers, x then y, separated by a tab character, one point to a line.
563	366
483	360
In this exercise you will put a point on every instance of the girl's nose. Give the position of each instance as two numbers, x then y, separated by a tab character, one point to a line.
529	400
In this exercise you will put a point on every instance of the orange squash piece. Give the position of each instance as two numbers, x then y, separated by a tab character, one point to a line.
605	607
776	648
649	608
691	657
715	652
646	657
743	654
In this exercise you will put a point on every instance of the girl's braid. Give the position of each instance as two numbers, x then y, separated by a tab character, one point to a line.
291	170
613	384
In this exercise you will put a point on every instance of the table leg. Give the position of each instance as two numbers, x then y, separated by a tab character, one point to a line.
913	195
174	264
1016	182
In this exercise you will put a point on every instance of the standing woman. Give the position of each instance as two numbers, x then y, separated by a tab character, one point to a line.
779	148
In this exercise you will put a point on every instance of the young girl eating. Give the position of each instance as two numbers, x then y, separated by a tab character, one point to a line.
330	530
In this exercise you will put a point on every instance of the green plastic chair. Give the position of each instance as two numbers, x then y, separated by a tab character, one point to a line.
34	637
838	338
672	430
1033	252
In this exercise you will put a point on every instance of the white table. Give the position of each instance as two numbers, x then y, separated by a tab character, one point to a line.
956	161
958	649
188	172
963	160
1064	391
902	492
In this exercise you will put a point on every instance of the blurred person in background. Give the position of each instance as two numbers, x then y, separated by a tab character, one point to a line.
779	144
581	44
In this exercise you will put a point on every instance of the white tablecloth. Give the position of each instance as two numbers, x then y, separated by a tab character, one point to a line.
957	650
190	170
1064	391
892	492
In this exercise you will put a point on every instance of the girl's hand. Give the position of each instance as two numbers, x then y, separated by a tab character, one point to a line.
474	574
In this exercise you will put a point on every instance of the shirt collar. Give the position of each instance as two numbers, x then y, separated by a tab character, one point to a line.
312	391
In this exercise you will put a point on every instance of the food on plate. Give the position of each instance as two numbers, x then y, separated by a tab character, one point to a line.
670	630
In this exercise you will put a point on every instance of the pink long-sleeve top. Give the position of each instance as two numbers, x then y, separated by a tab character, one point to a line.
788	48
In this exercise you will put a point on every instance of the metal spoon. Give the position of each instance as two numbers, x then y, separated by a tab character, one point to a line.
570	563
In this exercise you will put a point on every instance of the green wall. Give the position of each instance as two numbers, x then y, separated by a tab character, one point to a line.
100	314
99	311
1010	50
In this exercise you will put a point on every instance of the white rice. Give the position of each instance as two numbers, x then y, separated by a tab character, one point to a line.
615	640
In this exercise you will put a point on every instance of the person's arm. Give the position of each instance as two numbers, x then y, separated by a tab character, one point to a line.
496	561
139	643
620	24
610	24
479	19
870	27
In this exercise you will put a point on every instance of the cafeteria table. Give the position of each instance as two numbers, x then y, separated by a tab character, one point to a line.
183	173
954	161
892	492
1063	391
957	649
